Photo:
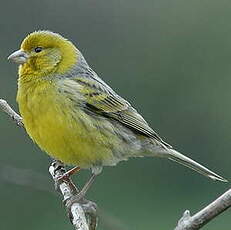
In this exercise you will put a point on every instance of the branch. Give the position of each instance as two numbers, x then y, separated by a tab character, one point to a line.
9	111
201	218
82	213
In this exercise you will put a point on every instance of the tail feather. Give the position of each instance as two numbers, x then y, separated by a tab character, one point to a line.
186	161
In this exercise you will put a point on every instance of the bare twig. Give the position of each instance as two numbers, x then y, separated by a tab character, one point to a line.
201	218
83	213
8	110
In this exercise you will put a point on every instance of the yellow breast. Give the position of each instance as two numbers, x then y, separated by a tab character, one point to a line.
62	129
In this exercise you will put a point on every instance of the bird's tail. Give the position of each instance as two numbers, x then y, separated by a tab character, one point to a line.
186	161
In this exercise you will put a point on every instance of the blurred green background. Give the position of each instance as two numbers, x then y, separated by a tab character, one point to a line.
171	60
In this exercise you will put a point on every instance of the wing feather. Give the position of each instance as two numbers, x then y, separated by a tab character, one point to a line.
102	100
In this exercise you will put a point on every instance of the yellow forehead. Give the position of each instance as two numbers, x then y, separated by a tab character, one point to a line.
46	39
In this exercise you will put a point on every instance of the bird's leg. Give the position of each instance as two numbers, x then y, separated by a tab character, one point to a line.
96	170
82	193
70	172
85	188
78	197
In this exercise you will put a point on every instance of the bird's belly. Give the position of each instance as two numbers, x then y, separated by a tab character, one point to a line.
70	135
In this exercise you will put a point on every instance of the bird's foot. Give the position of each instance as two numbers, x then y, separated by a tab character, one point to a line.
89	208
78	198
67	174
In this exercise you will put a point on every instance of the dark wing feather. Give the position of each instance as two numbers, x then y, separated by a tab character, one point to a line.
102	100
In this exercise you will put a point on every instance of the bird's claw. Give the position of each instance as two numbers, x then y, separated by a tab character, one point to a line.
66	175
69	202
89	207
74	199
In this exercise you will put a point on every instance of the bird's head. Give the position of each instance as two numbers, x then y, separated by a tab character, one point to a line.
43	53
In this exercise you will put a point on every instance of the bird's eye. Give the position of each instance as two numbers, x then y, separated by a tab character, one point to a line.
38	49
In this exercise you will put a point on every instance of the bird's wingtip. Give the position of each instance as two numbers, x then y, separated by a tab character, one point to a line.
218	178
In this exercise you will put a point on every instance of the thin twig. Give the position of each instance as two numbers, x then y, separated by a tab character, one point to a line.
8	110
202	217
83	213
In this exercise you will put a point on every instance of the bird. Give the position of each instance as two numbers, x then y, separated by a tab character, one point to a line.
78	119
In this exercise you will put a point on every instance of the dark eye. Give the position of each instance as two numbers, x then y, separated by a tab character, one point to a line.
38	49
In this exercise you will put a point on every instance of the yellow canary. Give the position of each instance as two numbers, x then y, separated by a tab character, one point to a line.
74	116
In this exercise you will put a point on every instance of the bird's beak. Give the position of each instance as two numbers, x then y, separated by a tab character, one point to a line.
19	57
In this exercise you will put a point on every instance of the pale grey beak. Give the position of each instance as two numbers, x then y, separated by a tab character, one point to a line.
19	57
